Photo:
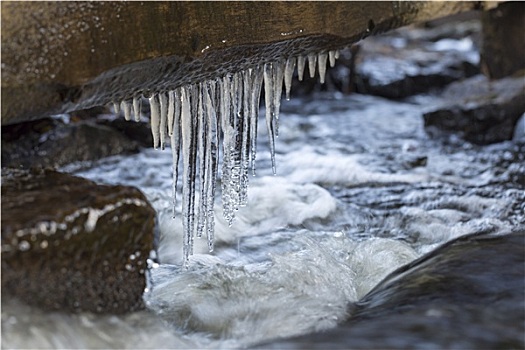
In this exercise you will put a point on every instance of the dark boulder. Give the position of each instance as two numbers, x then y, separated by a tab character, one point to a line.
53	143
414	60
479	110
70	244
468	294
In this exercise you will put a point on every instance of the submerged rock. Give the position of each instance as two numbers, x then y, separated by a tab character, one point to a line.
468	294
479	110
51	142
70	244
415	60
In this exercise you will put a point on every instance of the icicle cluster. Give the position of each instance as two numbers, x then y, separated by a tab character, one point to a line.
197	117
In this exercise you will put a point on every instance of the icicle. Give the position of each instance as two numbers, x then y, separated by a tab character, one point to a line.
201	147
246	134
301	61
194	117
268	96
116	107
163	98
175	150
226	122
236	141
288	74
137	105
256	86
126	107
171	111
331	55
155	119
321	60
278	73
212	141
188	172
311	64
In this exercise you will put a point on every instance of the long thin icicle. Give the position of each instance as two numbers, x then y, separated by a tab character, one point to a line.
256	86
202	159
246	134
288	74
312	58
321	60
137	105
278	74
301	61
212	141
268	96
126	107
163	99
155	119
175	148
171	111
331	55
227	132
188	173
116	107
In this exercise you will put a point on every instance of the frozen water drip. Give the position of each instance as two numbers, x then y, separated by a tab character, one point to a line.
198	117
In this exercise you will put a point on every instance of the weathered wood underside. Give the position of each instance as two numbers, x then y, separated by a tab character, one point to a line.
62	56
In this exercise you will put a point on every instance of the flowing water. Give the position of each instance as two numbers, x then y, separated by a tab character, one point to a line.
360	190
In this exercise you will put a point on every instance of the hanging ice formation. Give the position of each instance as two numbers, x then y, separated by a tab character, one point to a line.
195	116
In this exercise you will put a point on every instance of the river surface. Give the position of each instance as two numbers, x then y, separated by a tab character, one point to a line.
360	191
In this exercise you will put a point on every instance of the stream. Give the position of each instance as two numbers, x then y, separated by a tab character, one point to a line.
360	190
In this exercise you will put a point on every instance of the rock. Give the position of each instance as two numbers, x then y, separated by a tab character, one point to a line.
138	132
479	110
53	143
503	37
468	294
415	60
70	244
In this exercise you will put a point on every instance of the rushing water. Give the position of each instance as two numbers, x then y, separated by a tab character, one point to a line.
360	190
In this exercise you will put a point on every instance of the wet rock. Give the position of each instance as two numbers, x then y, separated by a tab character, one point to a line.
479	110
70	244
138	132
415	60
54	142
503	29
467	294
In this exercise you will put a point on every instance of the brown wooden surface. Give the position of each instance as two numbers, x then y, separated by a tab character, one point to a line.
62	56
